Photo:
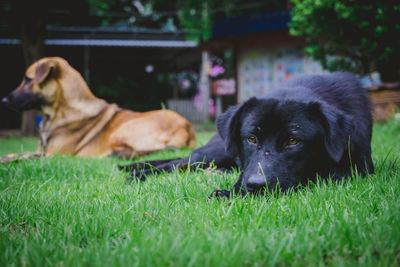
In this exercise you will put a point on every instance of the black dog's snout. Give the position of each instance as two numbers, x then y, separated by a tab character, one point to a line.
255	183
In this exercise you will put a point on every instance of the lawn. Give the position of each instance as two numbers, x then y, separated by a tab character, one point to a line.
70	211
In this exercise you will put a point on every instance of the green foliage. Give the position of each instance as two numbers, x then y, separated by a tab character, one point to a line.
196	17
70	211
352	35
136	14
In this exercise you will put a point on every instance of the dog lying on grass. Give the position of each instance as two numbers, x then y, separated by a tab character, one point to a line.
78	123
310	125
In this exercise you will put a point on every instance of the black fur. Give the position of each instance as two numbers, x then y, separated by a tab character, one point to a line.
311	124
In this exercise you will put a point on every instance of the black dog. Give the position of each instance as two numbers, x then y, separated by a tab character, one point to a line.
311	125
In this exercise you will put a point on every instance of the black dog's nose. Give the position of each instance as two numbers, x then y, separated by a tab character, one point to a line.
255	183
4	100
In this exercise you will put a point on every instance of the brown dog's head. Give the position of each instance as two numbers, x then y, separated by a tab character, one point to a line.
39	86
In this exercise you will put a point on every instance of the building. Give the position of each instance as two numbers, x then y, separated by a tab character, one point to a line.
265	53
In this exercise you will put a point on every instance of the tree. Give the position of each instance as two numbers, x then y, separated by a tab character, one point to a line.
351	35
155	14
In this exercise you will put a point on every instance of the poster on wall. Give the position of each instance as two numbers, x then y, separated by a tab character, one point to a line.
288	62
256	74
261	70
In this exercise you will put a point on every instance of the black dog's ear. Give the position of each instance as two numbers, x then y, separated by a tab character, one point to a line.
228	126
338	128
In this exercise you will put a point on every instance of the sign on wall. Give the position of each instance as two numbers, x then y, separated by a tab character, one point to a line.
224	87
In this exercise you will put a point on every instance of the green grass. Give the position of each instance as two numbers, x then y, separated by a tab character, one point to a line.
66	211
17	145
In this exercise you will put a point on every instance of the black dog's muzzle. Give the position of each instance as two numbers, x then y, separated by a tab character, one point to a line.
255	183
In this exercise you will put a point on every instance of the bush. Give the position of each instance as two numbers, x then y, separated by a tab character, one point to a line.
351	35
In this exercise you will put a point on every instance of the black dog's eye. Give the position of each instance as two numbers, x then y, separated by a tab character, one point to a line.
252	139
292	141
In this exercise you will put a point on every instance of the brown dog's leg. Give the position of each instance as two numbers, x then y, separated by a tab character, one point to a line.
125	153
18	157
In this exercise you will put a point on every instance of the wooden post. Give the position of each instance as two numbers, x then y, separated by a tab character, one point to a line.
218	106
175	89
86	64
28	125
205	85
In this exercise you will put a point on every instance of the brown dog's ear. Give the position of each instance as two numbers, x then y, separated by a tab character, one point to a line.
44	71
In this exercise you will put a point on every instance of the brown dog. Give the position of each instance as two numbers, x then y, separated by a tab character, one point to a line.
78	123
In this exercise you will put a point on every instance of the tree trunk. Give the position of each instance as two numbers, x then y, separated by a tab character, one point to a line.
30	18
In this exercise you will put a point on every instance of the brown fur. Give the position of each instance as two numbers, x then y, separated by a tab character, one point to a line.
78	123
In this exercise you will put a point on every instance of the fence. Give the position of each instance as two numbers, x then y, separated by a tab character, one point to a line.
186	108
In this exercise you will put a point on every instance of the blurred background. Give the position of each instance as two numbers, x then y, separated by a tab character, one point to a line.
199	57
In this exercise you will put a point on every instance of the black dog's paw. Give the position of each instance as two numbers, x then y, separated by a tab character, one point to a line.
133	167
135	176
220	194
126	168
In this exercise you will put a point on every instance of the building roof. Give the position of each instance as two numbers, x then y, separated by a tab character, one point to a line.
252	31
107	36
105	42
250	24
